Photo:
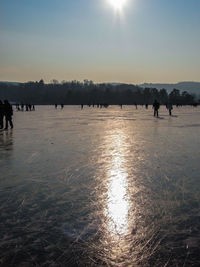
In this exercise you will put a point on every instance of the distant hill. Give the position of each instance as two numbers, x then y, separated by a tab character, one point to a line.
9	83
190	87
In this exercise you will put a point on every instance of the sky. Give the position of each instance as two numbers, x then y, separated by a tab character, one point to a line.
145	41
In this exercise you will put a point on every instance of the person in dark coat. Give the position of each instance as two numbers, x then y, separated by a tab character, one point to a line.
156	106
8	111
1	114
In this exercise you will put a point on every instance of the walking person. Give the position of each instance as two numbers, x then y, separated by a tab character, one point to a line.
156	106
169	107
1	114
8	111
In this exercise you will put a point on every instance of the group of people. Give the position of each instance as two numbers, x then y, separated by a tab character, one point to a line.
61	105
28	107
6	113
156	106
98	105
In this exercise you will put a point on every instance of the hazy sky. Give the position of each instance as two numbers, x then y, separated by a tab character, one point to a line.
147	41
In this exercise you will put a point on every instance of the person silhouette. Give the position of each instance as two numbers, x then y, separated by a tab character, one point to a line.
169	107
1	114
8	111
156	106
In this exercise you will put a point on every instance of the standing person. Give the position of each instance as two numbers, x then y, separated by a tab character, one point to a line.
156	106
1	114
169	107
8	111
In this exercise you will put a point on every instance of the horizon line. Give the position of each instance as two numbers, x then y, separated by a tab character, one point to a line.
113	82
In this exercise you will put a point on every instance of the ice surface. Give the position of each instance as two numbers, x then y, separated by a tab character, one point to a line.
91	187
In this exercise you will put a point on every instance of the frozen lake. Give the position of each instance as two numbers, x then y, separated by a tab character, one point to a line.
100	187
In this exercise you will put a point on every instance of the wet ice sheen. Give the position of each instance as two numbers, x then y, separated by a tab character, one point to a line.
100	187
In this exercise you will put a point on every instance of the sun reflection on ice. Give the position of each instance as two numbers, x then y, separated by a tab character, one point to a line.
118	202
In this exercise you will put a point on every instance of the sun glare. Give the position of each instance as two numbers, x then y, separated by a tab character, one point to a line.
118	203
117	4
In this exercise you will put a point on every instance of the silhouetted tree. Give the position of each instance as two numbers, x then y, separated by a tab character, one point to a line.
76	92
174	97
163	96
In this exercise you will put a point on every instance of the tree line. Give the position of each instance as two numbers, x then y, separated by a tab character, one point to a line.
88	92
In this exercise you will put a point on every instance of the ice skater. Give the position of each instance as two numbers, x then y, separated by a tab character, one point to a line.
169	107
1	114
156	106
8	111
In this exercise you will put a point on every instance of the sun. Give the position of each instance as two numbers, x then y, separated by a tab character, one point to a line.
117	4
